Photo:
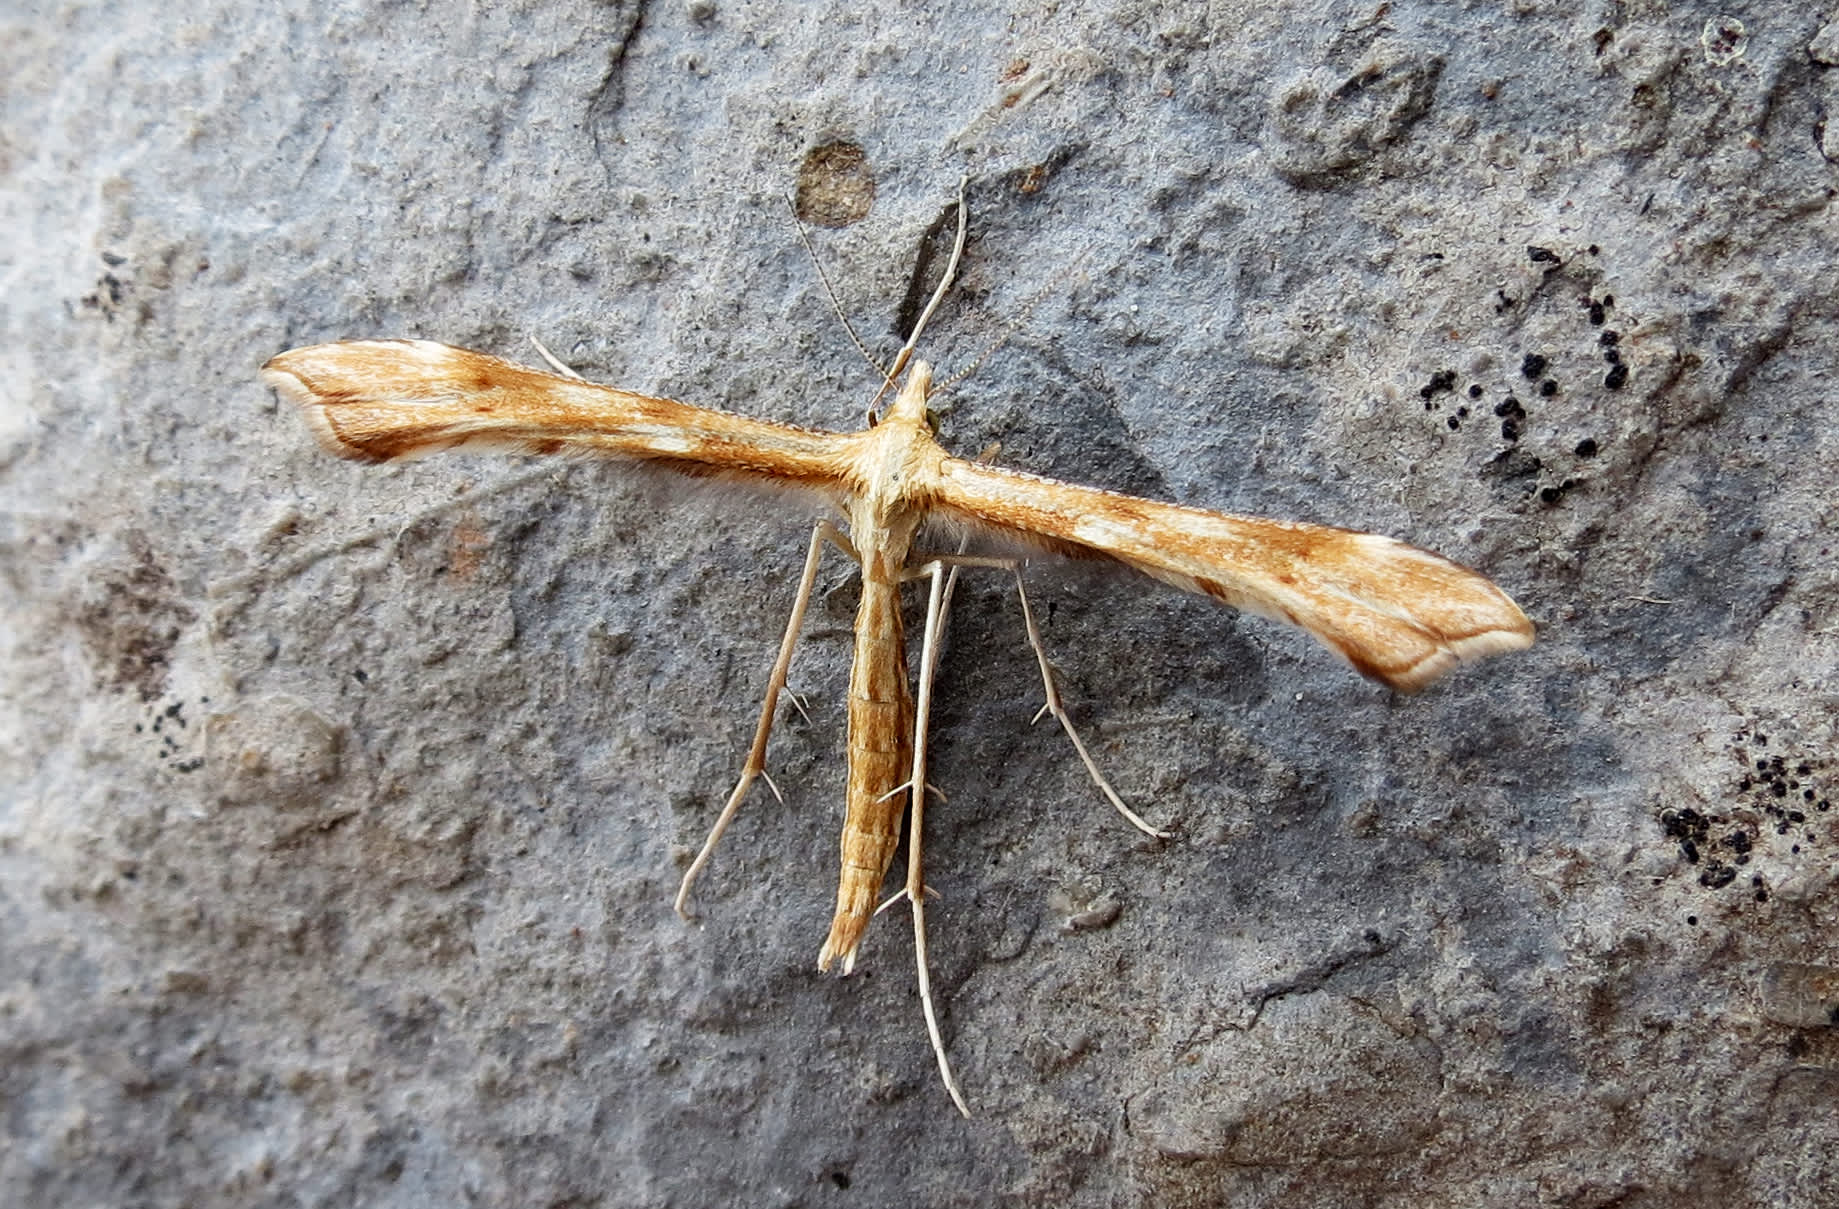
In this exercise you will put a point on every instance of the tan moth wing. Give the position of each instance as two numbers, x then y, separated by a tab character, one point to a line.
1399	615
386	400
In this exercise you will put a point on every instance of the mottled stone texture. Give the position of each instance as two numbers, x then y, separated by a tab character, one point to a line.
341	807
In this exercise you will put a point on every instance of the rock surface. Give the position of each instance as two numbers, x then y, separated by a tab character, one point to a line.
341	807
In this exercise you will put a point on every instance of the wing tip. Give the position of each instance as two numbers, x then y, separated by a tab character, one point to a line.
287	374
1445	654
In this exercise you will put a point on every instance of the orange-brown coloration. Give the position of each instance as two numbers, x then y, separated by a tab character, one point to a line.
880	755
386	400
892	466
1397	614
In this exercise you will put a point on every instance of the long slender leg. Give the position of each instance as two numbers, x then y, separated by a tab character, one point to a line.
756	755
916	882
1054	707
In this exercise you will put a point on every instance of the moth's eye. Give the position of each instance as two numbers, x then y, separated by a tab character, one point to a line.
932	421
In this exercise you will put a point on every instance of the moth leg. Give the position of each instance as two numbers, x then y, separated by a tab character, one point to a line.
1054	707
915	892
756	755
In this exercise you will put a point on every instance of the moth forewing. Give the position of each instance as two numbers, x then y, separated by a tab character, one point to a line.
387	400
1398	614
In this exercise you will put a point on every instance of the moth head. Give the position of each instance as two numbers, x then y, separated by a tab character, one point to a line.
909	406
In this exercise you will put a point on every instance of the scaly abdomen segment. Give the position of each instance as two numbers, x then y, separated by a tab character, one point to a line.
880	761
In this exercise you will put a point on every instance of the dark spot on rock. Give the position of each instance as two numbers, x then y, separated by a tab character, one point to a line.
1717	875
836	187
131	618
1441	382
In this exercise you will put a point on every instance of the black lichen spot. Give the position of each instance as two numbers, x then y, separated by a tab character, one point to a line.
1551	495
1510	430
1597	315
1610	339
1548	388
1586	448
1616	378
1532	366
1540	255
1717	875
1441	382
1689	827
1475	390
1510	407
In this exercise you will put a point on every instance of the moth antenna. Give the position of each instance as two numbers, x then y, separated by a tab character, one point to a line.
932	304
1013	326
798	224
938	295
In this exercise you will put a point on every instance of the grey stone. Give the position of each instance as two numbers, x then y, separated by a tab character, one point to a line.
341	807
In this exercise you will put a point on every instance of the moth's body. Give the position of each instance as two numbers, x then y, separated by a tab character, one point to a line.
1399	615
883	518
